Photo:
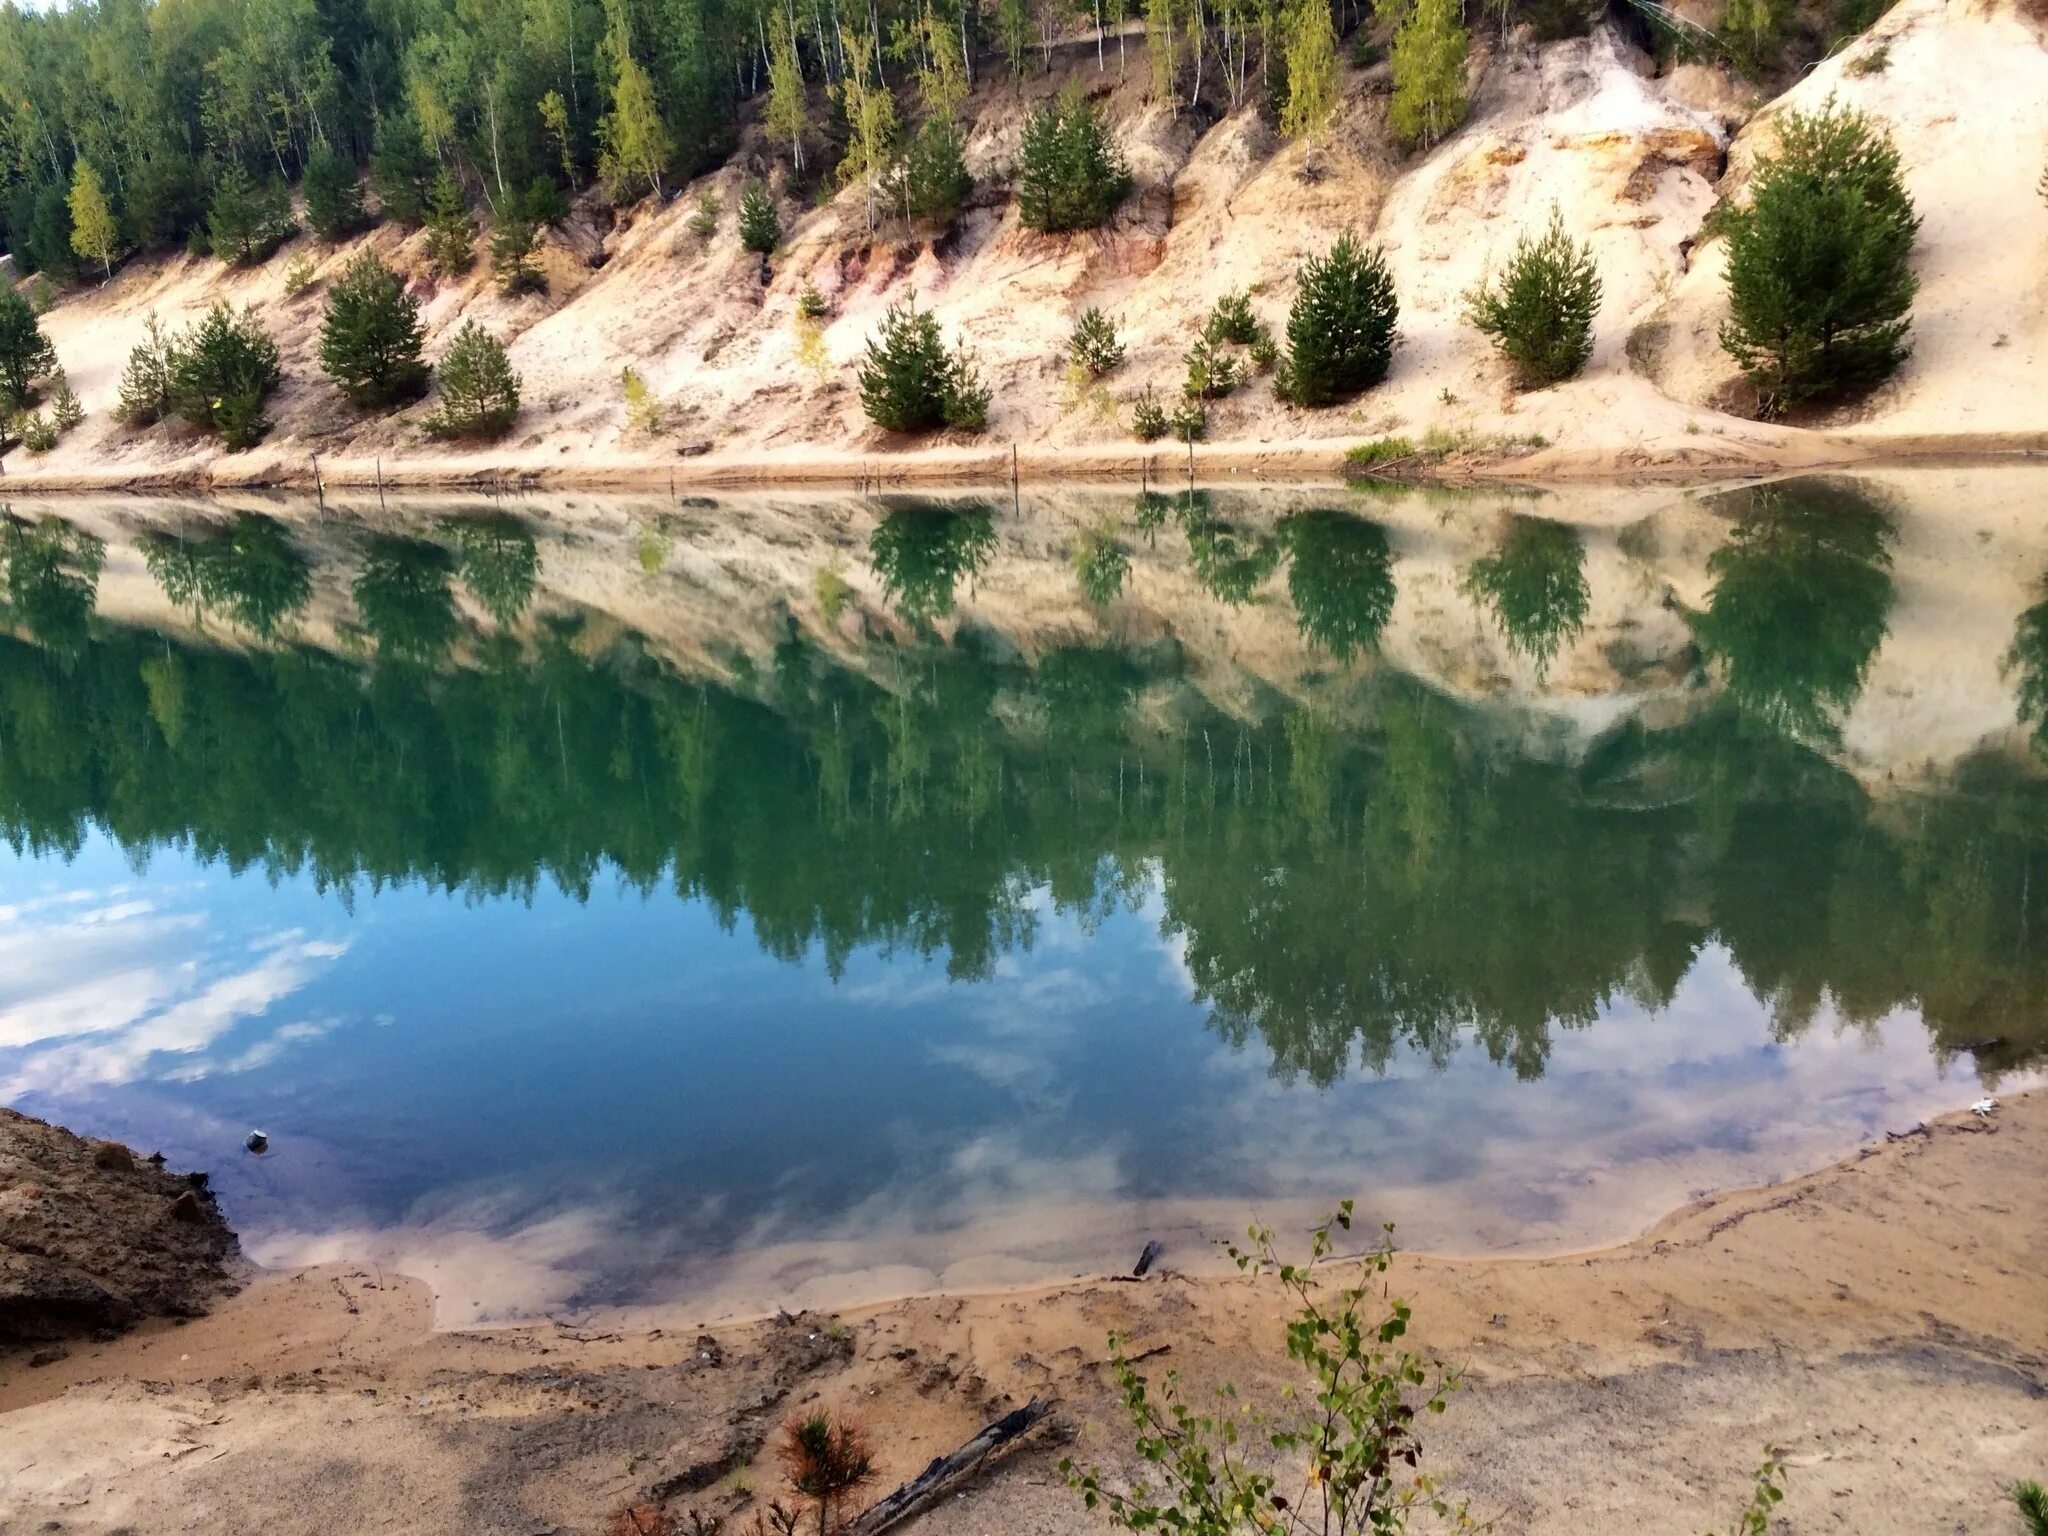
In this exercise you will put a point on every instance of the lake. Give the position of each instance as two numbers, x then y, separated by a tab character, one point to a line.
627	902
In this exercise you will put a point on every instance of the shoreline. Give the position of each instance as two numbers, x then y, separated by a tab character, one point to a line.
1878	1321
1297	462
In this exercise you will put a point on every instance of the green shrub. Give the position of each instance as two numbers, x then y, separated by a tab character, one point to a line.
370	341
760	229
1540	314
37	435
66	409
2033	1503
1340	332
1149	421
222	369
334	198
911	383
1381	450
298	275
1191	421
479	390
1350	1440
704	222
1092	346
246	223
1764	1497
1069	173
1232	320
810	304
1820	290
644	409
1265	351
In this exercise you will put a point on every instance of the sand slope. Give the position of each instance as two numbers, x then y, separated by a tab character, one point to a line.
1634	163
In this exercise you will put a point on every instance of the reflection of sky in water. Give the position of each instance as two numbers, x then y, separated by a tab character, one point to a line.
626	1097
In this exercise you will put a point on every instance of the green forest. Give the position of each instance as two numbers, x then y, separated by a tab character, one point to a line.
1395	879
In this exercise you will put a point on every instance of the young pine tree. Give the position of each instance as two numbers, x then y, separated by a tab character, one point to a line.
911	383
1429	71
515	243
1093	346
1540	313
334	198
25	352
479	390
401	170
1820	286
1340	333
451	232
146	381
1069	173
760	229
93	232
370	341
222	370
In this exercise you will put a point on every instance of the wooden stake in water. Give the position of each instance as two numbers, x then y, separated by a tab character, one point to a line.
319	490
382	510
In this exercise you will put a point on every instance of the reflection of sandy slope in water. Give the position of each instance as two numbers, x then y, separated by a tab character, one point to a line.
706	584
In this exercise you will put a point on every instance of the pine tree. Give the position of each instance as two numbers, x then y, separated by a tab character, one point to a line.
911	383
1069	173
146	381
1093	346
1311	71
933	176
93	234
370	340
401	171
1820	287
633	142
246	222
785	117
515	239
479	390
1340	333
1429	71
222	370
451	232
1540	314
25	352
334	198
760	229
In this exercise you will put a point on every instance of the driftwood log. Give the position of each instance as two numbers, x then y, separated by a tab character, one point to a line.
947	1471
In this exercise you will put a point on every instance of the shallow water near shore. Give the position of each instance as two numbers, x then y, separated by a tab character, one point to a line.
719	904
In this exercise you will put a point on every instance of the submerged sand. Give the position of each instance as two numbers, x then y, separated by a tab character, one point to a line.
1878	1323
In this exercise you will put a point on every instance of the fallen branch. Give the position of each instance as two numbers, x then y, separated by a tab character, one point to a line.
946	1471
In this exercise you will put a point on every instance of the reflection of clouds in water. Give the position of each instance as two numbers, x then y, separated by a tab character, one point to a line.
1633	1116
96	990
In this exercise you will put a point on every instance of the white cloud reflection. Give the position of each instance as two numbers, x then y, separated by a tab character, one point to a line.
102	988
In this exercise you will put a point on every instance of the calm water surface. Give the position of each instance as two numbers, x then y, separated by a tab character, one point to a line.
606	904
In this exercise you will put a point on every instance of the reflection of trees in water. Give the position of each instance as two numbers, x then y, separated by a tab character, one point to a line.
405	600
497	562
52	573
1340	574
1802	594
921	551
2027	664
1534	584
248	571
1345	882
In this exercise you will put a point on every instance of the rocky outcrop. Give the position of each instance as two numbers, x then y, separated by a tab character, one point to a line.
94	1239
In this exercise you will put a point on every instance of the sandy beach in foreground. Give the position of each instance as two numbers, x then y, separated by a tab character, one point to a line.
1879	1322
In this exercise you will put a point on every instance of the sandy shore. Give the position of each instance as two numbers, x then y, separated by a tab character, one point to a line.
1880	1322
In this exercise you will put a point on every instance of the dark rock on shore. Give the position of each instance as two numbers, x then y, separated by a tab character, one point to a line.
94	1239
